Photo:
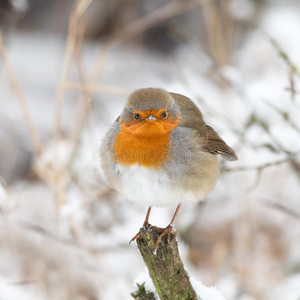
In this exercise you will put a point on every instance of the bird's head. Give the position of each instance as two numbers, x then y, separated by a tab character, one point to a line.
150	113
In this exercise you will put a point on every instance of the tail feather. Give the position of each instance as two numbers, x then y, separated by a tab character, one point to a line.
217	145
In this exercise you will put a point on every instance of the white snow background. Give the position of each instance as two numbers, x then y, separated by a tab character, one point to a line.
64	234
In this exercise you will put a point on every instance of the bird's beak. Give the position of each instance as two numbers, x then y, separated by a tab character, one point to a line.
151	118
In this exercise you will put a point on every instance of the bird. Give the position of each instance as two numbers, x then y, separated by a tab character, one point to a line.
160	152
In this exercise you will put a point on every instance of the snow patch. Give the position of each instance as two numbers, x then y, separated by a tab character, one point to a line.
145	279
204	292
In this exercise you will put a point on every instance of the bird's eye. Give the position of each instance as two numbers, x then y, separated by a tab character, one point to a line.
164	114
137	116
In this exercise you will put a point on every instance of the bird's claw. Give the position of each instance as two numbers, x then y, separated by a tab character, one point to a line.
138	235
165	231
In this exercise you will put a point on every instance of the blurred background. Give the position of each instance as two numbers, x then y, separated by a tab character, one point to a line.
66	68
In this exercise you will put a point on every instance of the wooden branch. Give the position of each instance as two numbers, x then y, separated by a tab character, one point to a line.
165	267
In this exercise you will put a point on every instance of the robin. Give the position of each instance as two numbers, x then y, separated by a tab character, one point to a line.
159	151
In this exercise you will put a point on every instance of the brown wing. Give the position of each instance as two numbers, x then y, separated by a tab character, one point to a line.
192	118
191	115
217	145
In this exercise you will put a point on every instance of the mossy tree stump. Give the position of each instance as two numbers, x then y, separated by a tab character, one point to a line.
165	267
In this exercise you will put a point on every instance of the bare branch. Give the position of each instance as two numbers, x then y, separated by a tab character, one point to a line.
103	89
141	25
284	115
261	167
282	208
292	67
20	96
78	12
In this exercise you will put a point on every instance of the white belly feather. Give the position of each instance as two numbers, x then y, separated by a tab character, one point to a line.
152	187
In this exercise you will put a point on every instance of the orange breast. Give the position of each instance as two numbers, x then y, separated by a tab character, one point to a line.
146	144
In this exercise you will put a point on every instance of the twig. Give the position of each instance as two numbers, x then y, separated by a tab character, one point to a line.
292	67
141	25
83	102
165	267
99	193
74	41
264	126
261	167
152	19
292	88
256	182
79	10
284	115
26	282
204	104
282	208
20	96
103	89
215	34
48	234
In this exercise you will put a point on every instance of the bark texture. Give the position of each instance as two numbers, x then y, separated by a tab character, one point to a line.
165	267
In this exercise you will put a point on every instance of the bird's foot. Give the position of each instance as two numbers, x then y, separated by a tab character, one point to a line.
138	235
165	231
